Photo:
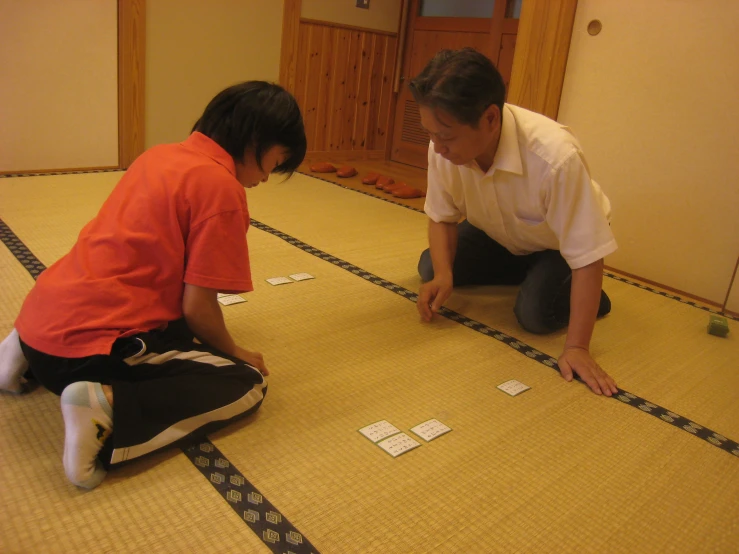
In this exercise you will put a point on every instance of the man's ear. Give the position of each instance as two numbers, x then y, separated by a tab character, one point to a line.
491	117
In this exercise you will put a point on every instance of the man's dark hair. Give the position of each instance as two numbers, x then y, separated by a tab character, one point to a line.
463	83
256	115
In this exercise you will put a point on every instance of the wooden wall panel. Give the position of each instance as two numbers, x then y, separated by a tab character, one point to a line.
359	133
387	96
342	79
338	86
312	79
324	90
377	61
350	95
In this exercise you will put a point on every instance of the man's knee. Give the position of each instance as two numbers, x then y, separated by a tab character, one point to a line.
425	267
532	317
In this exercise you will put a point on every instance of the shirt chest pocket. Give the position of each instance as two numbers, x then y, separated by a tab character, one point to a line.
529	218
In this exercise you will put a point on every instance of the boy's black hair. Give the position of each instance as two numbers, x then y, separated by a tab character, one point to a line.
256	115
463	83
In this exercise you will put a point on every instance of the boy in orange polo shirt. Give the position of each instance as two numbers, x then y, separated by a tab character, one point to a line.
111	326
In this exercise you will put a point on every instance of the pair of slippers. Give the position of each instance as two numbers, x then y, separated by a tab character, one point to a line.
325	167
381	182
388	185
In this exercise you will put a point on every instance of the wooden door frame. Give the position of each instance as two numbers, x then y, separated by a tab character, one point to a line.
540	60
131	92
289	47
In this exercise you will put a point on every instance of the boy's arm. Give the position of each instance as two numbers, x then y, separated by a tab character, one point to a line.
584	300
205	319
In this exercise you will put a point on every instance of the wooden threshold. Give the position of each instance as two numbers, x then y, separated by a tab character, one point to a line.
64	170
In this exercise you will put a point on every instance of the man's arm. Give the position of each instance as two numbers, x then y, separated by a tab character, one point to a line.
587	283
443	247
205	319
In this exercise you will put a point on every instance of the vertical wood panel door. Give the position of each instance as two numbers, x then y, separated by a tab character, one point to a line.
489	26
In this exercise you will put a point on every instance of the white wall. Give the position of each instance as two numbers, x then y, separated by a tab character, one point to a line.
58	84
654	99
382	15
194	49
733	303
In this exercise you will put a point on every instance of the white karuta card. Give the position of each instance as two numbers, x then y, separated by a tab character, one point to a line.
398	444
221	295
378	431
301	276
228	299
279	281
513	387
429	430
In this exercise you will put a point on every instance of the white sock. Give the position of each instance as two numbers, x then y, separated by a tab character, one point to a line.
88	420
13	364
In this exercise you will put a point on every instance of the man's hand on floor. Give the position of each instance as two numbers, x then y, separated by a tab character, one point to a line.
432	295
579	360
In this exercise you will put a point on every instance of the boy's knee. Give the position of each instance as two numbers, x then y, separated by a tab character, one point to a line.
425	267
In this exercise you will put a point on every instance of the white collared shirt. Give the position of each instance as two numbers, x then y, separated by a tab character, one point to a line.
537	195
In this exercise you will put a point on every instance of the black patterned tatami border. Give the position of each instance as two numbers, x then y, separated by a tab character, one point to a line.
252	507
626	397
32	264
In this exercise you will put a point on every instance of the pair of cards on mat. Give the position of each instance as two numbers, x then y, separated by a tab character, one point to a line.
393	441
228	299
274	281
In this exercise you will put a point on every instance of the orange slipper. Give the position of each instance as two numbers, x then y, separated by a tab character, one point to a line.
408	192
346	171
323	167
389	189
370	178
383	181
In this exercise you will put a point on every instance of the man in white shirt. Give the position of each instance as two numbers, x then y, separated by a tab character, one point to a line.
533	216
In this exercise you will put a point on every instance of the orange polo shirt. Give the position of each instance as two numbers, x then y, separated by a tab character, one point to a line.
177	216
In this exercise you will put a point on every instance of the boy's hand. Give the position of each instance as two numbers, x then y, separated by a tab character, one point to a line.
254	359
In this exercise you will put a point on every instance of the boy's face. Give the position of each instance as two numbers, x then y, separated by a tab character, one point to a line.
248	172
457	142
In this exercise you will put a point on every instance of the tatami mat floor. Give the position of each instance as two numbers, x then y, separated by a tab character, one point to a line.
555	469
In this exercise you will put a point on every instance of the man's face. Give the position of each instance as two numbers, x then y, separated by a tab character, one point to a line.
457	142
